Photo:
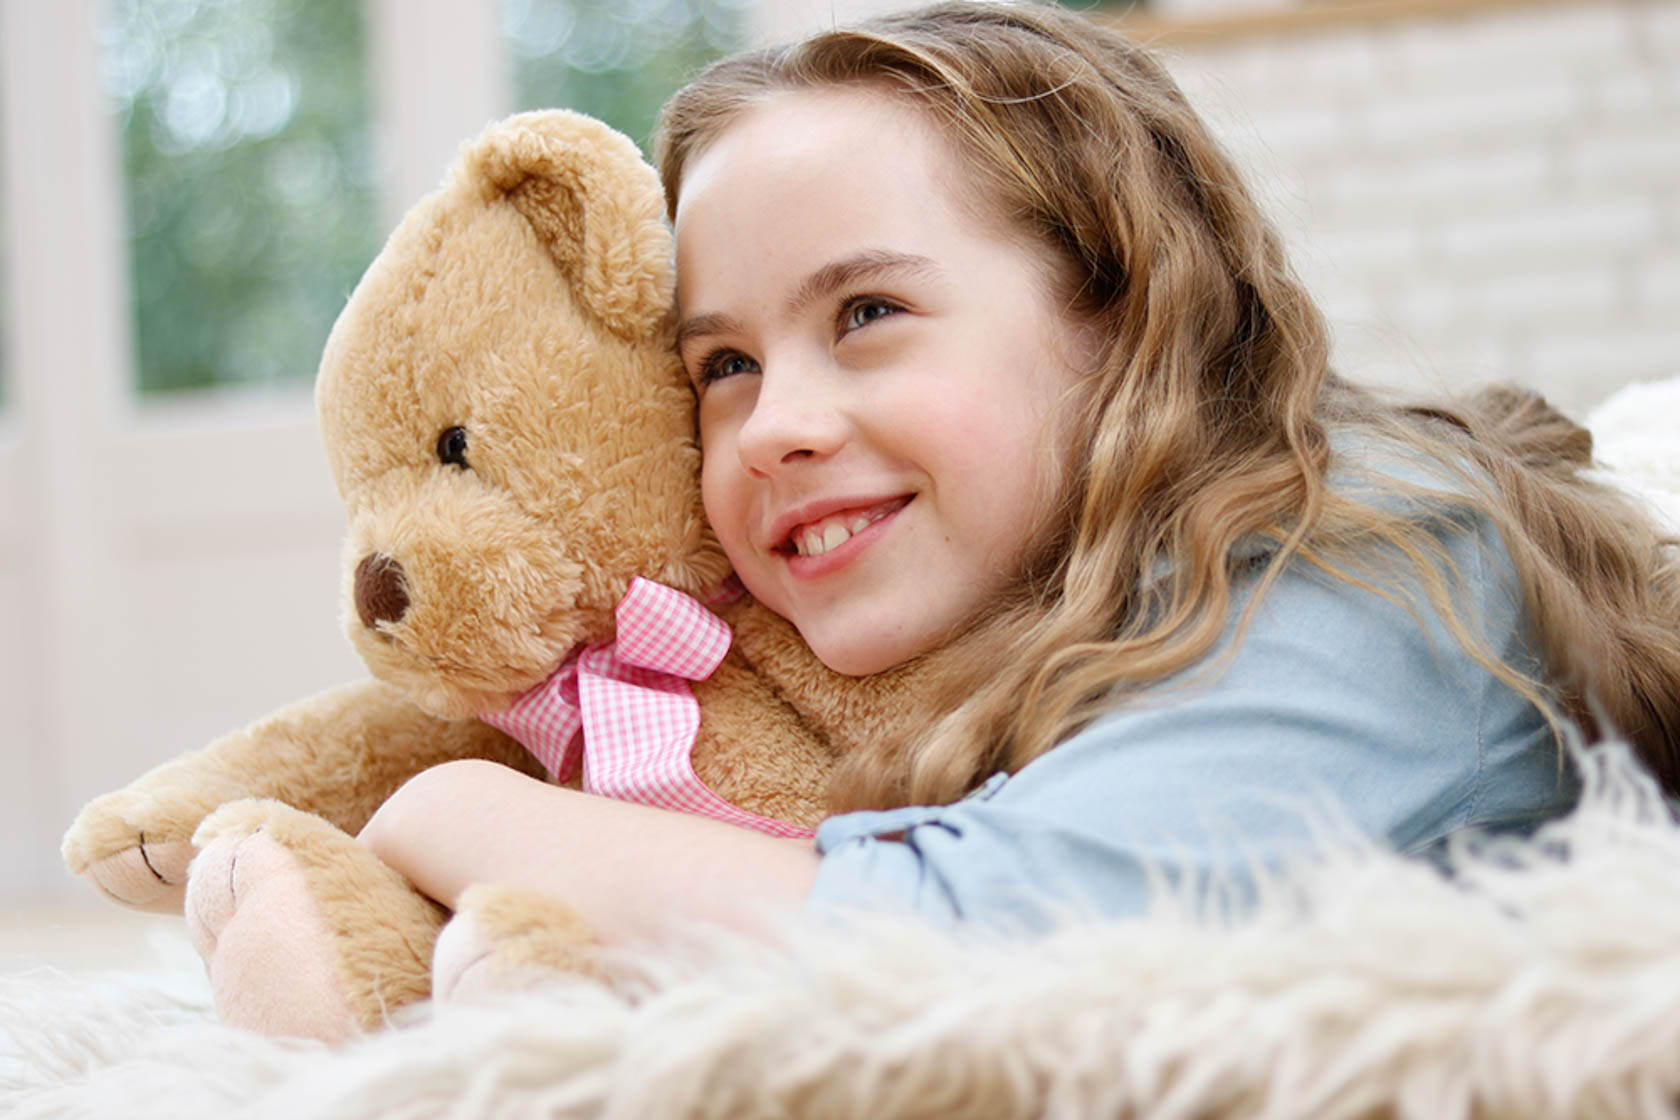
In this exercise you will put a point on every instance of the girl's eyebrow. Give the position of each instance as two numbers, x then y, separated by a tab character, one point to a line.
847	271
704	326
830	278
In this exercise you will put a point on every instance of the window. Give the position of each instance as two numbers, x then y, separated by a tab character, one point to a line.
616	61
251	201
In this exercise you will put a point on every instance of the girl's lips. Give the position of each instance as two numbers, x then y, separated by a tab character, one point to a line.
808	524
878	518
829	532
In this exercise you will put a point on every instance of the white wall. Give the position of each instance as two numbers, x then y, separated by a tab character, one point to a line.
1489	195
21	727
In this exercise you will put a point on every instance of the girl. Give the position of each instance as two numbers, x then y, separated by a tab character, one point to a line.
994	353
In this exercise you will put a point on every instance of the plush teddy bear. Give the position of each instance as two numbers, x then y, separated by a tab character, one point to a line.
513	438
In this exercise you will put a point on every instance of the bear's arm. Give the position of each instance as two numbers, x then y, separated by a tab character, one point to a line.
338	754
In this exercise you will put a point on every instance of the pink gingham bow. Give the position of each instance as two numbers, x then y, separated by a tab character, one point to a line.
630	698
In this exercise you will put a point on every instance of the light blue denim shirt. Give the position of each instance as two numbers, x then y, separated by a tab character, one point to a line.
1336	698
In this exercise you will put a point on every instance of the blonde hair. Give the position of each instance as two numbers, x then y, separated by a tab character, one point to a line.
1209	420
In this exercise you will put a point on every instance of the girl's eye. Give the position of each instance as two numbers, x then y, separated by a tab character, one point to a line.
865	310
726	363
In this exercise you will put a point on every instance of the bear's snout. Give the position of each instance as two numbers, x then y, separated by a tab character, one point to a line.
381	591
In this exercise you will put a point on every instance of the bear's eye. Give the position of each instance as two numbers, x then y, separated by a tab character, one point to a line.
452	447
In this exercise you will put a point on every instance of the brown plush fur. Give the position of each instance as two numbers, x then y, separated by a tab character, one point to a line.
378	929
508	936
528	304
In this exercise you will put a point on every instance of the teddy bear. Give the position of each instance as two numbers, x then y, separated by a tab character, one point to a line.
514	441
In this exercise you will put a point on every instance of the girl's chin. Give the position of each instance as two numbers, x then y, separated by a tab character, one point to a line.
860	659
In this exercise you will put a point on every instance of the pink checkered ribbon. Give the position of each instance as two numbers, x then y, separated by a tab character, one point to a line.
630	698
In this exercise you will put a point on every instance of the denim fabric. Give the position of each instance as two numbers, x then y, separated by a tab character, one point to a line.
1340	709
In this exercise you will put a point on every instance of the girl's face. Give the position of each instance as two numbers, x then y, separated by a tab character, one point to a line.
876	366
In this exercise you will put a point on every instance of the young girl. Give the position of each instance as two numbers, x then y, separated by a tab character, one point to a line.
995	354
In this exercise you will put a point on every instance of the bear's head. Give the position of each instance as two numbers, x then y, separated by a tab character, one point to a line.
506	419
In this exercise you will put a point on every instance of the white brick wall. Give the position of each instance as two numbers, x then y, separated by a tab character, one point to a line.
1489	195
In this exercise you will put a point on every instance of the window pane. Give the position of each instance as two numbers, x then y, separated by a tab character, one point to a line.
615	60
251	201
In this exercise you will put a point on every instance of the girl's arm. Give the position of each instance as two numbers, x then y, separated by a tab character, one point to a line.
628	870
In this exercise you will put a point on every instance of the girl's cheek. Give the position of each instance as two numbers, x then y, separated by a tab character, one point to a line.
716	500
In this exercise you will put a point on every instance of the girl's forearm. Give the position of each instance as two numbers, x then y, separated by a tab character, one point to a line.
627	870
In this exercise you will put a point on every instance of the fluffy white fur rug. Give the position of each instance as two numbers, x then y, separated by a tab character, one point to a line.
1542	979
1636	434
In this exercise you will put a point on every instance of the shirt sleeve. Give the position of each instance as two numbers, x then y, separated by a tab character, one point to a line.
1340	709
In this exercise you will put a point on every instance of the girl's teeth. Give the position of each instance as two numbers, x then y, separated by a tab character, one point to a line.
815	542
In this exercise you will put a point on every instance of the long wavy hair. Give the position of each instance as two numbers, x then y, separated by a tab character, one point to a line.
1209	420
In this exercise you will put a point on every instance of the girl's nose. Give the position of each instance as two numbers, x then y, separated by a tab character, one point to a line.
794	417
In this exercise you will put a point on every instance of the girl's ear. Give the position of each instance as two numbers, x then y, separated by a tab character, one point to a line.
593	203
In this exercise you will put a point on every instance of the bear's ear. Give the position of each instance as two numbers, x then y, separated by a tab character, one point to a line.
594	204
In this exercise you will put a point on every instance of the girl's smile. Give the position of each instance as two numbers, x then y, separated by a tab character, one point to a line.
877	361
830	544
820	529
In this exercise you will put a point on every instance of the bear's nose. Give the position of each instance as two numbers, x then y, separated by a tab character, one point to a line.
381	592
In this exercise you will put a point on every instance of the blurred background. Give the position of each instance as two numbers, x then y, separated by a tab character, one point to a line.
1476	189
